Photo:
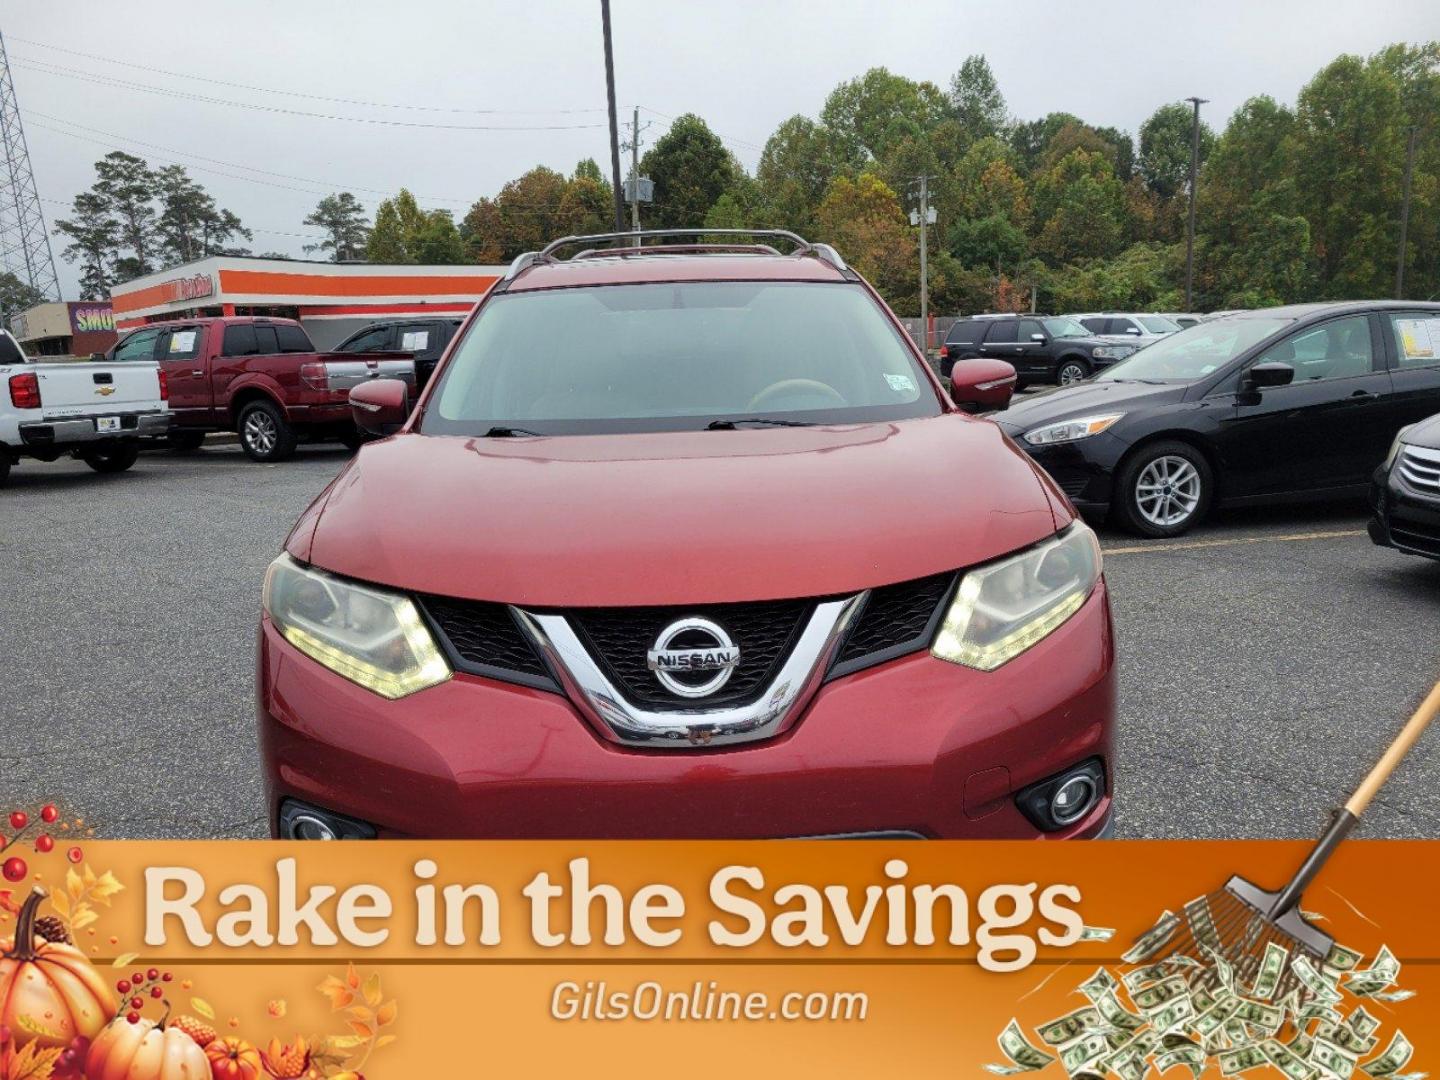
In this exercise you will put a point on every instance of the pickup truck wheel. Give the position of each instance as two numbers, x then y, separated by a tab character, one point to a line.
185	441
265	434
112	459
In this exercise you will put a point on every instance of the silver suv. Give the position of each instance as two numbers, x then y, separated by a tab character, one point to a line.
1139	329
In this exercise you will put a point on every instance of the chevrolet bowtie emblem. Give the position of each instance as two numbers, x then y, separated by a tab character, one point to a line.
105	391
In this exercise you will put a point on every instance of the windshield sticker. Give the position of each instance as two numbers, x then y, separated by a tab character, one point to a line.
415	340
1417	337
901	384
182	341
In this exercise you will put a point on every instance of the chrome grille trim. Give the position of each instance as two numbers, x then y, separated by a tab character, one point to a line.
1419	467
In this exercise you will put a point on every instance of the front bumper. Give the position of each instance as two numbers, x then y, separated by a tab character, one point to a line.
1084	469
1403	519
83	429
914	745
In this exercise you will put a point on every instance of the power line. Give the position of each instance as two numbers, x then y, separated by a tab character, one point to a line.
298	93
722	138
105	80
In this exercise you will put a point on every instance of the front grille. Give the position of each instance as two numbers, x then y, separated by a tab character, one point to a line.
897	618
1416	538
1420	469
620	638
483	638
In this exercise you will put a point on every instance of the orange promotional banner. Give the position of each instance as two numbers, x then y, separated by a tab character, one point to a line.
857	958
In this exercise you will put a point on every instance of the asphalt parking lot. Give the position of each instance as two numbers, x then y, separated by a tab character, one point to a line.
1266	658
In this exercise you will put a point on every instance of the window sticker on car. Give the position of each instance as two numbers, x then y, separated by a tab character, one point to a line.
415	340
182	341
1417	337
901	384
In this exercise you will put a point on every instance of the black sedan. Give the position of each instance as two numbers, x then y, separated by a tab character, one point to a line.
1406	492
1264	406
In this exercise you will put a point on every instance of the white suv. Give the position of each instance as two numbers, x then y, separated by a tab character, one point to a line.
1139	329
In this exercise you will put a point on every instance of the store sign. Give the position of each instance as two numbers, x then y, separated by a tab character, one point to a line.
91	318
191	288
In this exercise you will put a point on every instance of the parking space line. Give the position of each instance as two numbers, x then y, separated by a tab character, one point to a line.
1136	549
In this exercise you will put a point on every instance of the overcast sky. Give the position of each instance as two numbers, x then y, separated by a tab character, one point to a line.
479	66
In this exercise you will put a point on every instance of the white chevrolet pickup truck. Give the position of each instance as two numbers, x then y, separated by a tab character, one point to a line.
97	412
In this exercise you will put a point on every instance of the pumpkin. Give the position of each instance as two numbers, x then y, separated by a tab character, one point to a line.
234	1059
49	993
145	1051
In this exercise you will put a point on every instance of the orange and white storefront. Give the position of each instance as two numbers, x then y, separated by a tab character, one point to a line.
331	300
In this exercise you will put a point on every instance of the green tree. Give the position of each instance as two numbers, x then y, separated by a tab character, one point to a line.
530	211
588	169
1080	204
691	169
17	296
94	237
1165	139
480	232
346	228
587	206
796	168
867	116
396	235
987	183
976	100
128	187
437	242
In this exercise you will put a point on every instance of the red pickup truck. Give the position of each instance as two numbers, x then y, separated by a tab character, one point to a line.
260	377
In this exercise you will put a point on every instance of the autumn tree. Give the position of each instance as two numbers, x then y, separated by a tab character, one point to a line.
864	220
1080	207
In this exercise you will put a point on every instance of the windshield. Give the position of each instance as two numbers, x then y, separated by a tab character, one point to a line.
1194	353
1158	324
678	357
1063	327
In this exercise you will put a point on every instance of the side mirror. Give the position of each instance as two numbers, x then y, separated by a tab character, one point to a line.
977	385
1039	339
380	406
1273	373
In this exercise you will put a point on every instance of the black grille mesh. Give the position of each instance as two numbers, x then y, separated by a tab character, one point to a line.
895	615
484	634
620	638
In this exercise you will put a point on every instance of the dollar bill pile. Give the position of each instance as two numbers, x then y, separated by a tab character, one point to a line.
1198	1012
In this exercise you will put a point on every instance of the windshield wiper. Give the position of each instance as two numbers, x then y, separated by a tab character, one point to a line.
508	432
730	425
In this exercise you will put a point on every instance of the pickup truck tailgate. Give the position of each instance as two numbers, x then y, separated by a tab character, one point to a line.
344	371
85	389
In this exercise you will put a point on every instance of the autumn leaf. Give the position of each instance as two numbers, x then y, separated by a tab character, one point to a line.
372	989
386	1013
106	887
352	977
360	1012
35	1027
33	1063
73	884
365	1031
339	994
88	876
82	917
384	1040
124	959
203	1007
342	1042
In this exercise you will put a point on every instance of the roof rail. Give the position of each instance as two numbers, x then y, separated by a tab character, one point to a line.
700	243
802	246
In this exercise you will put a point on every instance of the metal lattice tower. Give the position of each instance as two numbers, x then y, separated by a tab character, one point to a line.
24	242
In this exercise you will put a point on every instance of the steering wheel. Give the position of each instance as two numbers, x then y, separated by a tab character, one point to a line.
793	386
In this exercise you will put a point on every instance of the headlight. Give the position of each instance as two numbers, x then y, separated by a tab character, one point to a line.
1070	430
1003	609
374	638
1112	352
1395	446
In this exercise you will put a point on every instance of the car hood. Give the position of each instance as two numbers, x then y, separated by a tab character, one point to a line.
677	518
1084	399
1426	433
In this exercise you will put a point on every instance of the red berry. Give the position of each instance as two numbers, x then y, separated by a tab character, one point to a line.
19	819
133	1017
123	986
152	974
156	992
49	814
166	977
138	978
15	869
44	844
74	854
137	1003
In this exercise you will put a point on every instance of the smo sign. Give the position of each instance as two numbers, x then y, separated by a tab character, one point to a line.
191	288
91	319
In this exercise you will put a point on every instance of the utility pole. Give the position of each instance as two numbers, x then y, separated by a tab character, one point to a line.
614	121
924	217
1405	215
24	242
1190	228
637	190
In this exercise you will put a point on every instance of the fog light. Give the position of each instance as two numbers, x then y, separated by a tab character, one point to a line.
1063	799
299	821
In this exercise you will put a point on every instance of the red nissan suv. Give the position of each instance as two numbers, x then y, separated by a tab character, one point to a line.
685	539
